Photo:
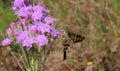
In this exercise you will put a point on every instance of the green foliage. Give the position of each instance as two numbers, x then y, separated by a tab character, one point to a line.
116	6
6	16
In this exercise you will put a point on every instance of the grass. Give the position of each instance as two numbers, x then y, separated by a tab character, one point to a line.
97	20
6	16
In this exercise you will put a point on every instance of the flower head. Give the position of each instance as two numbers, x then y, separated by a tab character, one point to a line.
25	11
42	27
38	12
12	25
18	4
41	40
22	36
54	33
33	26
9	31
27	42
49	20
6	42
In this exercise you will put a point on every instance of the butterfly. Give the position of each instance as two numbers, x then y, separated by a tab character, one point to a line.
72	38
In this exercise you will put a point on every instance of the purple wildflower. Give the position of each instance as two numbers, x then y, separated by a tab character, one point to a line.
39	27
27	42
33	29
39	11
41	40
43	28
12	25
22	36
49	20
16	33
26	1
6	42
9	31
17	4
25	11
32	26
37	16
38	8
54	33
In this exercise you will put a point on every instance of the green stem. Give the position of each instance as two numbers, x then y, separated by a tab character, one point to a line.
28	59
43	60
24	55
16	59
50	47
24	61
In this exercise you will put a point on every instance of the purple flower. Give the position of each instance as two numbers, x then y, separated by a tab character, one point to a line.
38	8
39	11
54	33
6	42
49	20
33	29
12	25
32	25
43	28
28	42
40	28
22	36
41	40
9	31
25	11
26	1
18	4
37	16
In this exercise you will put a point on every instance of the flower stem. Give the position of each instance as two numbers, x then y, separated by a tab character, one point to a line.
16	58
28	59
43	60
49	49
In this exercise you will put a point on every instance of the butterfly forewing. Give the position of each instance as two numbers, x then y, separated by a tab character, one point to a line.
76	37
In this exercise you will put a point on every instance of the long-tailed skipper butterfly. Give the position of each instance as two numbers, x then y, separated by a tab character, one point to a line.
72	38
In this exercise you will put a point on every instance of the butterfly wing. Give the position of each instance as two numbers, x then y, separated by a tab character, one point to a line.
76	37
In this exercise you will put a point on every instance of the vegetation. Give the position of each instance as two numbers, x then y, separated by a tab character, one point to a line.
97	20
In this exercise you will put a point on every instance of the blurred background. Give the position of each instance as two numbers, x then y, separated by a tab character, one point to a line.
97	20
